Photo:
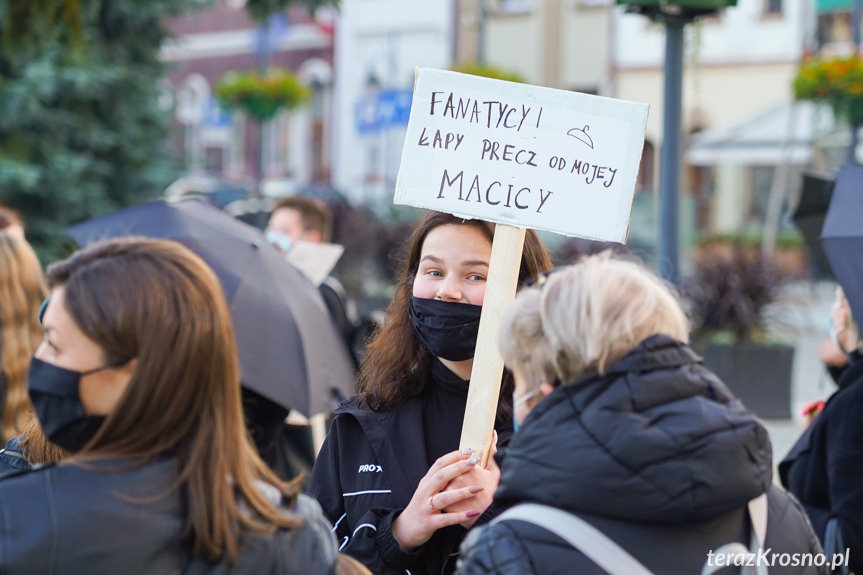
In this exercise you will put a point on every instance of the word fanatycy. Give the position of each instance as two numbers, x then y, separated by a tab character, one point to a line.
492	113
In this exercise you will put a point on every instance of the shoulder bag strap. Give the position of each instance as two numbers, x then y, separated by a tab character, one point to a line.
583	536
758	534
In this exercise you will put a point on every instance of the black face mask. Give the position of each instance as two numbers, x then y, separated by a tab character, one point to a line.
57	403
447	329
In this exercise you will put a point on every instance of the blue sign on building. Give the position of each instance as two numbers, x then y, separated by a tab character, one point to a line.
386	109
214	115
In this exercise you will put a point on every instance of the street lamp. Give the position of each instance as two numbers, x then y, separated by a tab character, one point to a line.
674	15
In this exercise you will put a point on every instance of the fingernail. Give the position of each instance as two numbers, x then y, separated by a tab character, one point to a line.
473	461
471	514
476	488
467	450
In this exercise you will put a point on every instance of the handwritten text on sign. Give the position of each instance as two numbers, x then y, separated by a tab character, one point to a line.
521	155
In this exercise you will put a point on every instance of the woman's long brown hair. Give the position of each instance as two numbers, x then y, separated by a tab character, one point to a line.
22	290
397	364
157	302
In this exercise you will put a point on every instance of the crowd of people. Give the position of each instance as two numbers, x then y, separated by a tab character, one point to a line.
614	449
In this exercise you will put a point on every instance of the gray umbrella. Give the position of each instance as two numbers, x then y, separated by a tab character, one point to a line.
842	236
289	350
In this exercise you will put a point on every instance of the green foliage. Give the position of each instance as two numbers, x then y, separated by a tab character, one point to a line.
837	81
488	72
261	96
260	10
81	129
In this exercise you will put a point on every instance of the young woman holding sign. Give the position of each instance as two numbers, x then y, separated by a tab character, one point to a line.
384	473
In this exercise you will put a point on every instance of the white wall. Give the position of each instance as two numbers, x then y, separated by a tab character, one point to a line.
743	34
389	39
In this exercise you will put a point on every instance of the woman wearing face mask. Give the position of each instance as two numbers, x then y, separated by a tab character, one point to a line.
623	428
825	466
383	472
137	379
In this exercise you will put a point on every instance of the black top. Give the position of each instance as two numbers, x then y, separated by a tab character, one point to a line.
445	397
112	517
656	453
367	471
825	466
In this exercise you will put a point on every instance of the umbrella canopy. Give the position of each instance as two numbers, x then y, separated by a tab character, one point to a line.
842	236
288	348
811	210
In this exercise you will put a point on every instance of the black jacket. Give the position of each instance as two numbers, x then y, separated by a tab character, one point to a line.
824	469
366	474
71	520
656	454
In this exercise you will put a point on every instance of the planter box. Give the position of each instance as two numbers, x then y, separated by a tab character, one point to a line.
759	374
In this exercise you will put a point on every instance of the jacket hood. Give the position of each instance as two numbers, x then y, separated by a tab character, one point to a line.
657	438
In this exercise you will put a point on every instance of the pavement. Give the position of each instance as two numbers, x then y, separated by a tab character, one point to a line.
801	320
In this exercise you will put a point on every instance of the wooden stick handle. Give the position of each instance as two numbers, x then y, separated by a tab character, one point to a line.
501	284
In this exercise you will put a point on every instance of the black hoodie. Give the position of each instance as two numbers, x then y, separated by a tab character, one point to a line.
656	453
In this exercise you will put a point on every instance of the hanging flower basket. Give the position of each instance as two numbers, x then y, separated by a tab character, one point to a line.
835	81
261	96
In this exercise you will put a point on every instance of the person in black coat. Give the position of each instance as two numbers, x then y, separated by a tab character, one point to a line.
623	427
137	381
824	469
384	473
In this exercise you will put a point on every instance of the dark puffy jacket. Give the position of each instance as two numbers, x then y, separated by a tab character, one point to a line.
70	520
656	454
824	469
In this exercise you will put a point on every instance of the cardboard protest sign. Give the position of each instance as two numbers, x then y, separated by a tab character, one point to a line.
522	155
525	157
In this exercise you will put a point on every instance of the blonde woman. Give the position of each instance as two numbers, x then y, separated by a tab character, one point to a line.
824	468
623	427
22	290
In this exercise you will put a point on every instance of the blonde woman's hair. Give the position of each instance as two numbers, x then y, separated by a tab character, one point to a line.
22	290
587	316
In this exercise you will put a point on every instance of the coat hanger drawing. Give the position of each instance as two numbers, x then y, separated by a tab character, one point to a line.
581	135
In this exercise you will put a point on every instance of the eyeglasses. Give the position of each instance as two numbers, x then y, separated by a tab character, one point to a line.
42	309
523	398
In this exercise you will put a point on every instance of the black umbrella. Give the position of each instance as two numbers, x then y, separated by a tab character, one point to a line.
811	209
842	236
288	348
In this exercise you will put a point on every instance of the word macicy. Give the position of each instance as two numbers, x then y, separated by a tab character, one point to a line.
495	193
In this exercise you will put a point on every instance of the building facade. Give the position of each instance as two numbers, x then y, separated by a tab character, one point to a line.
211	42
379	44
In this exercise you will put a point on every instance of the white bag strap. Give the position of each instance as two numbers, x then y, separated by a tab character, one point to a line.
758	518
615	560
594	544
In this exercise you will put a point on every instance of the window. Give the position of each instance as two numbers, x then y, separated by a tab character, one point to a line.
595	3
773	7
515	6
834	28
